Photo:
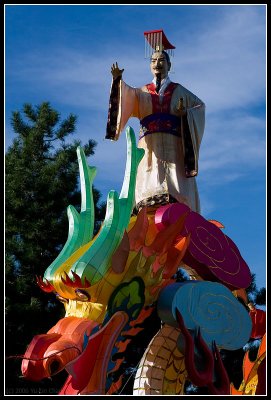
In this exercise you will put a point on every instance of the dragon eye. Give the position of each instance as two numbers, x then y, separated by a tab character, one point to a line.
82	295
62	299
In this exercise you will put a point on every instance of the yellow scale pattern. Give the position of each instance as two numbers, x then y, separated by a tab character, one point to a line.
162	368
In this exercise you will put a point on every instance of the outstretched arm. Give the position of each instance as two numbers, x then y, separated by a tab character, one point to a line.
121	104
111	128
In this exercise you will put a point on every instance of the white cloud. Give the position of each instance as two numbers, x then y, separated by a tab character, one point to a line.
235	142
225	64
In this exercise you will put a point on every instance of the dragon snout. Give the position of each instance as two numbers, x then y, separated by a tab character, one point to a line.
47	355
32	365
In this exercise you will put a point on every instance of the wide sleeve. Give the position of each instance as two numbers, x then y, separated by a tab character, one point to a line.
196	123
193	125
123	104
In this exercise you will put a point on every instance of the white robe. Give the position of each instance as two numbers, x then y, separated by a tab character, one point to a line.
162	170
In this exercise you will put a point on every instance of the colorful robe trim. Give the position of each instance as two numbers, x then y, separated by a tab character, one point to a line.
114	99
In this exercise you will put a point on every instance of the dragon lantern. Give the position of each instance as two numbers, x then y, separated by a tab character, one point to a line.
110	283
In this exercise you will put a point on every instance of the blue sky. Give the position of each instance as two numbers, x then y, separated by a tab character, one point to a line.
63	54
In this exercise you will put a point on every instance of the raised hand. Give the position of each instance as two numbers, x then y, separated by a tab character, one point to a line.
115	71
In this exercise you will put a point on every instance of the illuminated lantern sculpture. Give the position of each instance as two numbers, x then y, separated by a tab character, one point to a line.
110	283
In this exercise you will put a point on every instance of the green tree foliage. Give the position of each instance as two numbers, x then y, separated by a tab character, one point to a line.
41	180
260	296
257	296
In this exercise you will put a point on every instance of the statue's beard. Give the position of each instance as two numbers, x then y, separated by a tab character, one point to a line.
158	77
158	81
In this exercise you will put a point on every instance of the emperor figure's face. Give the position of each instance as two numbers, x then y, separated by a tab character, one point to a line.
159	64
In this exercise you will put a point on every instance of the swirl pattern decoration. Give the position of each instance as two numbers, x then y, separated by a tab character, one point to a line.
210	247
211	253
210	306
